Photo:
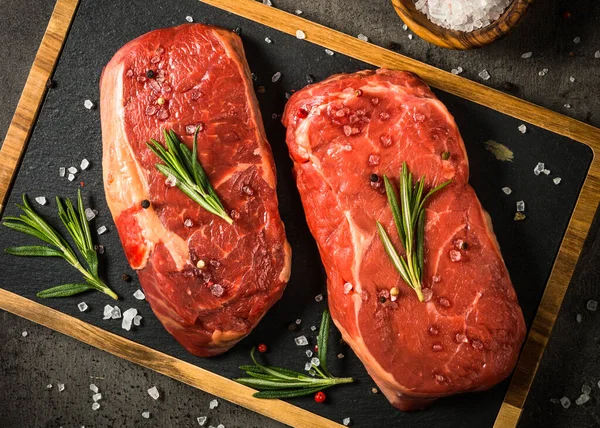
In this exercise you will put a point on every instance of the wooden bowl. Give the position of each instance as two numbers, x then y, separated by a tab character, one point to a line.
453	39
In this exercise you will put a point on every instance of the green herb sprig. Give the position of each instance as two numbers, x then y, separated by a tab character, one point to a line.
409	218
183	166
76	224
276	382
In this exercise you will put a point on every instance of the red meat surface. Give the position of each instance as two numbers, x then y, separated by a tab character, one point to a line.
201	74
467	335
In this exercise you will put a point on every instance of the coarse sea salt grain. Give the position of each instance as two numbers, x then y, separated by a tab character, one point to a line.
93	388
128	317
307	366
72	170
82	307
95	406
507	190
571	79
276	77
189	19
84	164
268	40
567	105
88	104
89	214
579	318
309	353
41	200
313	327
347	288
522	128
220	426
315	361
213	404
139	294
527	55
61	387
592	305
24	334
484	74
137	320
300	34
543	72
565	402
557	180
457	70
597	54
520	206
340	356
318	297
546	171
146	415
267	2
298	321
49	386
329	52
576	40
301	341
410	37
298	12
362	37
153	392
539	168
107	314
582	399
101	230
201	420
71	177
586	389
346	421
97	397
461	15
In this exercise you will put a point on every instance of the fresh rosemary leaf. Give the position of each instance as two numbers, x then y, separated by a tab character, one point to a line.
31	223
64	290
322	341
409	218
286	393
184	166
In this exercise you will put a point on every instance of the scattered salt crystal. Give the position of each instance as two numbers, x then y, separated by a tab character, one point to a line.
139	294
527	55
49	386
410	37
95	406
457	70
201	420
597	54
89	214
329	52
137	320
340	355
220	426
298	12
520	206
582	399
267	2
522	128
189	19
84	164
571	79
546	171
298	321
153	392
101	230
576	40
61	171
455	255
405	27
579	318
146	415
82	307
88	104
318	297
217	290
276	77
592	305
543	72
72	170
128	317
171	181
362	37
309	353
188	223
566	403
93	387
539	168
460	15
301	341
107	314
557	180
307	366
268	40
346	421
507	190
97	397
71	177
300	34
213	404
347	288
586	389
41	200
313	328
567	105
315	361
61	387
24	334
484	74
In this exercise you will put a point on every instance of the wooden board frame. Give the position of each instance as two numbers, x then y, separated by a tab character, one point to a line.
30	102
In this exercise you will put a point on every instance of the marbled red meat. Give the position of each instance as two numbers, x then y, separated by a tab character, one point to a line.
201	74
467	335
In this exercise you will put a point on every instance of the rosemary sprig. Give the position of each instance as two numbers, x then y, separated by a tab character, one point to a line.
276	382
409	218
183	167
76	224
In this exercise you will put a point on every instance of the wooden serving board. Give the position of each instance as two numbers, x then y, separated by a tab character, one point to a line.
55	128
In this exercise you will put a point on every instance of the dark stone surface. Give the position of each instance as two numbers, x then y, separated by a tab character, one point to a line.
28	364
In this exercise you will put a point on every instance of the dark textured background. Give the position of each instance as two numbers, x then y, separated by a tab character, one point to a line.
28	364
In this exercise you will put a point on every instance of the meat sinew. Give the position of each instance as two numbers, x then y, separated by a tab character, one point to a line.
208	282
467	335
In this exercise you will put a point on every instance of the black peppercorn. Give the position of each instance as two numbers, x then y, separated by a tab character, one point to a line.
382	299
145	204
464	246
445	155
150	74
374	178
126	277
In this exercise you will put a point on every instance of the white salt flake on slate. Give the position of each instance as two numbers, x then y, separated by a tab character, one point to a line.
484	74
586	389
318	297
298	12
301	341
362	37
313	328
579	318
24	334
329	52
582	399
276	77
49	386
41	200
88	104
82	306
566	403
307	366
71	177
213	404
546	171
146	415
347	288
405	27
507	190
89	214
543	72
201	420
539	168
520	206
457	70
576	40
61	387
346	421
567	105
571	79
267	2
93	387
128	317
309	353
592	305
522	128
340	355
410	37
72	170
153	392
268	40
217	290
300	34
116	313
97	397
189	19
315	361
84	164
101	230
298	321
220	426
557	180
597	54
61	171
107	315
139	294
527	55
137	320
95	406
171	181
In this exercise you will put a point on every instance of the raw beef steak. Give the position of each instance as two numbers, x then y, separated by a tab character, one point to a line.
208	282
467	334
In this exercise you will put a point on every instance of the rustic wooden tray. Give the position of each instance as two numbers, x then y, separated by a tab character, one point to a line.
558	228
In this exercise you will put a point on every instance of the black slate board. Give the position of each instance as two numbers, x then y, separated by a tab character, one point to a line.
66	132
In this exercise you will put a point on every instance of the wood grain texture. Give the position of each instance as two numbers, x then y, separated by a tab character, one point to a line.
35	88
575	235
453	39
